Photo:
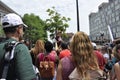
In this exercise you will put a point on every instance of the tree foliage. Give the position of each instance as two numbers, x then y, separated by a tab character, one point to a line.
56	22
35	28
1	31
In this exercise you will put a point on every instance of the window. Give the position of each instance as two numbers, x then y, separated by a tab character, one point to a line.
117	18
118	34
117	13
114	30
118	29
113	15
117	7
116	2
112	5
108	7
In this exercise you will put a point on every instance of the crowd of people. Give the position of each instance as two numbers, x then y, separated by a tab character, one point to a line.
81	59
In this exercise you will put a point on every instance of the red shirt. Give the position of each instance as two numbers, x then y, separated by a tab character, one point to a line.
64	53
101	59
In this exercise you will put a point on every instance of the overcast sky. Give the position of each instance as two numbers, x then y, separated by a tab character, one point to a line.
64	7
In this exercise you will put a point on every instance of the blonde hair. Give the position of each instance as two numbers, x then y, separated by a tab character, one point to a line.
82	53
39	47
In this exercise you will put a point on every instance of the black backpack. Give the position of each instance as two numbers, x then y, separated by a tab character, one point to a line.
7	64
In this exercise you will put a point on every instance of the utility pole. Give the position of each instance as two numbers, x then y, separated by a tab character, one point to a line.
77	10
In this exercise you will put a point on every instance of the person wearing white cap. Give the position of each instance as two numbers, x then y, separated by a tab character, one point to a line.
13	26
100	58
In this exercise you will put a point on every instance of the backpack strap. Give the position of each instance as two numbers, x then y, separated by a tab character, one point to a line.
8	57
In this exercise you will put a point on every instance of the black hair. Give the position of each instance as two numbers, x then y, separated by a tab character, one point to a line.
64	45
11	29
48	46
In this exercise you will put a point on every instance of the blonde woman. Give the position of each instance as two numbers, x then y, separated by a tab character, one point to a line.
82	59
38	48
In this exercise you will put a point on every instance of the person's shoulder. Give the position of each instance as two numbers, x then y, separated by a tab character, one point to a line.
117	64
21	45
117	68
66	59
6	42
97	52
2	44
40	55
53	53
63	51
21	48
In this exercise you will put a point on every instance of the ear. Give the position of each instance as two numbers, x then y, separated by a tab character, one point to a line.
118	50
18	30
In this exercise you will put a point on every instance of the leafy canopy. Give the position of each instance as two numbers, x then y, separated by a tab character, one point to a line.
35	28
55	22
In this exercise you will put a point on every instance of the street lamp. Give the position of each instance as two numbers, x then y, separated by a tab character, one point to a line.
77	9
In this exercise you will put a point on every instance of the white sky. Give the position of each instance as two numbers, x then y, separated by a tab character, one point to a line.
66	8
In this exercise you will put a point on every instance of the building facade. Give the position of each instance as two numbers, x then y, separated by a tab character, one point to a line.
108	14
4	9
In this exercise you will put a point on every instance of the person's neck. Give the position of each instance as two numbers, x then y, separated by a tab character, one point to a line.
46	53
13	36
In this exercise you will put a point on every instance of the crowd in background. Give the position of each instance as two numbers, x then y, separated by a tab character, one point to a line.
77	59
81	53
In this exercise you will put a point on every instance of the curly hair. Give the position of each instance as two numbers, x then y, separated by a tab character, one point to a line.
83	54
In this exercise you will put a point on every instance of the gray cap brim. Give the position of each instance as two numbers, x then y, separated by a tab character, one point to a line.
25	25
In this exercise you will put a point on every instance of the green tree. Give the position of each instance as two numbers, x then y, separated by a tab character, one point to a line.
35	28
56	22
1	31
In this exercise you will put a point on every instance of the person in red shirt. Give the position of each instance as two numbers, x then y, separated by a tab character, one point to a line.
65	51
48	55
101	59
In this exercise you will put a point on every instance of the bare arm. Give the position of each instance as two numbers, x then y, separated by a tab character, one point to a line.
117	70
59	72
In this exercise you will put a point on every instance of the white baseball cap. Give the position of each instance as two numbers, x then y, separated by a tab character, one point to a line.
12	19
94	45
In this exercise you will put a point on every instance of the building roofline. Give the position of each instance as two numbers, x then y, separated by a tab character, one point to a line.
92	13
103	5
6	7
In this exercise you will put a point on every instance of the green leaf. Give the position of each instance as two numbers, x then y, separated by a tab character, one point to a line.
55	22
